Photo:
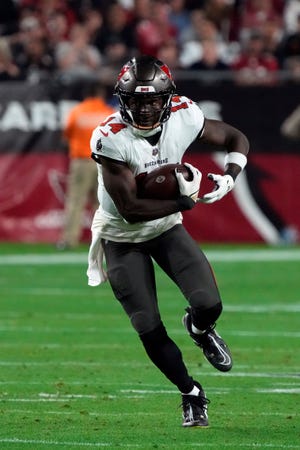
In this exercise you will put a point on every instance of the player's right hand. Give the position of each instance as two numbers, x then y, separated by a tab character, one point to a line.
189	188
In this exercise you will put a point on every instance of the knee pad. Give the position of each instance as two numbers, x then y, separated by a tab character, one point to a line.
204	299
143	322
154	337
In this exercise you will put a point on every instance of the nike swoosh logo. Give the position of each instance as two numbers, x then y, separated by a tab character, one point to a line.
226	358
104	133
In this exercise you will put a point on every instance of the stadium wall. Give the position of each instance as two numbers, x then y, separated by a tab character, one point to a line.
263	207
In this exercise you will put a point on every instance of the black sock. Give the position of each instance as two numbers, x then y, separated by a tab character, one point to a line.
165	354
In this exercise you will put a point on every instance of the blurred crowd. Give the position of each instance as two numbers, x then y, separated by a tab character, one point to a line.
249	41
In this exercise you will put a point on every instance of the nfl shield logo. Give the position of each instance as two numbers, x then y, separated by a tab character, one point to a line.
155	151
98	145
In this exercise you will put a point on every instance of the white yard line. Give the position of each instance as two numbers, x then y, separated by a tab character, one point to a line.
251	309
66	396
185	444
177	331
213	255
134	365
101	346
258	309
60	443
222	391
144	413
98	414
111	385
128	393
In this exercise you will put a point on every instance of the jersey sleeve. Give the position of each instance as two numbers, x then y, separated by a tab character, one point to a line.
196	117
105	140
199	118
188	119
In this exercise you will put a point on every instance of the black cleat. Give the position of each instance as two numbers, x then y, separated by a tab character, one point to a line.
194	409
214	348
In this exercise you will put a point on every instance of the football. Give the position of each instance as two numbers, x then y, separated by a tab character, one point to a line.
161	183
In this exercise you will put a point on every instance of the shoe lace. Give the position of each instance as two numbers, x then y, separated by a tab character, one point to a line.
194	400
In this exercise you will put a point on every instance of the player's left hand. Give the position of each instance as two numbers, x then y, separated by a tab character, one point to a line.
223	184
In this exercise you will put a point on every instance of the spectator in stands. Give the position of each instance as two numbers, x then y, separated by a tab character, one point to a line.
30	49
92	19
30	28
255	66
76	58
82	178
289	47
178	15
116	53
193	30
210	58
57	29
8	70
169	53
115	28
272	34
141	10
291	15
156	31
46	9
220	12
202	29
55	19
36	62
256	13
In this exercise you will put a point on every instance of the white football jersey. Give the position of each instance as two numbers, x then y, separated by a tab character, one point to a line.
117	140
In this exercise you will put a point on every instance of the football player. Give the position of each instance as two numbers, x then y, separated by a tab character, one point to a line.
155	127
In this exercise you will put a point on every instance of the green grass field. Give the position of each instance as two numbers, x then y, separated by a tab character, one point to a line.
74	375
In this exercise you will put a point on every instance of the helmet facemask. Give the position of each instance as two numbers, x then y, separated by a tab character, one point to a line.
146	112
